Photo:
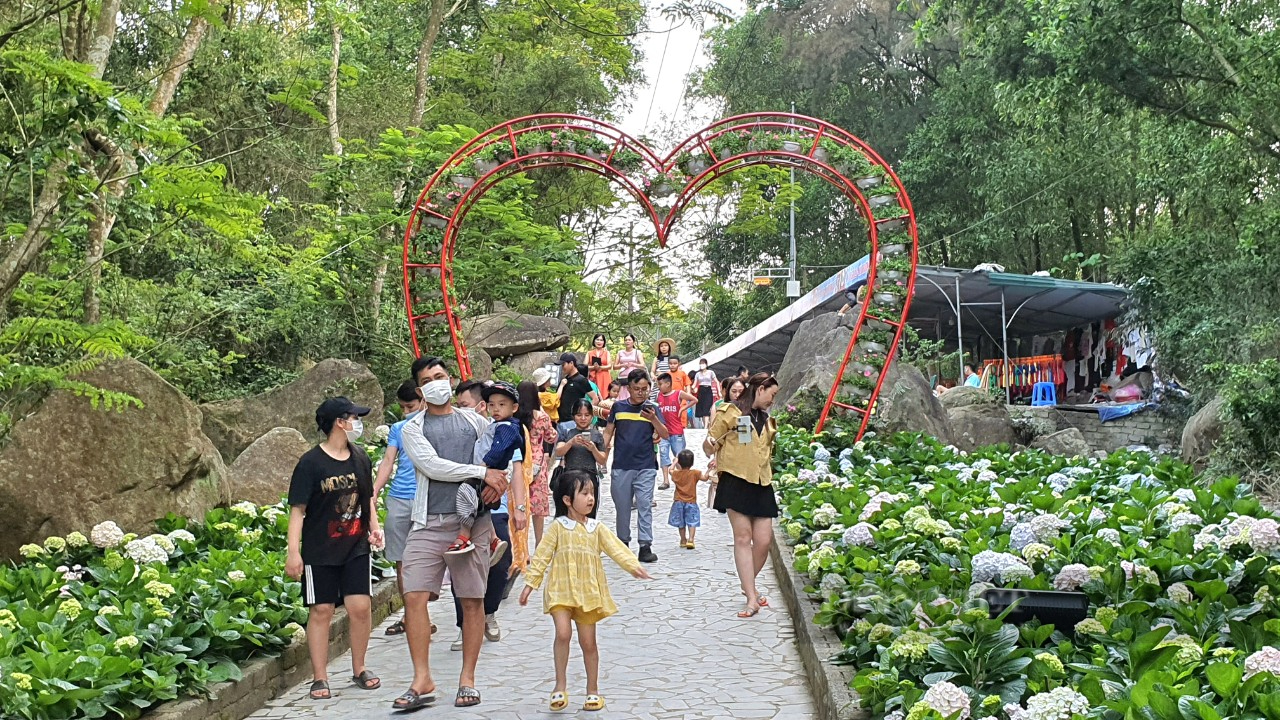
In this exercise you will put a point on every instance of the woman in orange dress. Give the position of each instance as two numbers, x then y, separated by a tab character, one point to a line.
599	367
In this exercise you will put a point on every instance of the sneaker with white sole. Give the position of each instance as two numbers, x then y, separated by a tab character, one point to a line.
492	631
497	548
457	645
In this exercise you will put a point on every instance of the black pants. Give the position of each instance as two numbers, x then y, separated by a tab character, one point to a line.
497	574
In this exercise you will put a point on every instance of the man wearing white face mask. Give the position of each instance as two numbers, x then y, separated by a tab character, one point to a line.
441	443
333	525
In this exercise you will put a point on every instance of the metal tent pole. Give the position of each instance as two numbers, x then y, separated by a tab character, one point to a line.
1004	342
959	330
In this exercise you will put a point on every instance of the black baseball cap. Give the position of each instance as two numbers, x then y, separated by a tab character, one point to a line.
500	388
335	408
568	357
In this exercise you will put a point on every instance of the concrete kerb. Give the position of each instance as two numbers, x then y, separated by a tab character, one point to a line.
829	684
265	678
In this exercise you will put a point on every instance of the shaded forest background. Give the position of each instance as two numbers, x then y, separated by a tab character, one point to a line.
216	187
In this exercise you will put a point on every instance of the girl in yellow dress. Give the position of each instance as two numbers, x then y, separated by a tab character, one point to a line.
577	591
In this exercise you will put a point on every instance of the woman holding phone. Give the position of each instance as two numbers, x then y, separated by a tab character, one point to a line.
742	437
599	367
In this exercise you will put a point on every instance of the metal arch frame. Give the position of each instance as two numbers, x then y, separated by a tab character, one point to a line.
653	169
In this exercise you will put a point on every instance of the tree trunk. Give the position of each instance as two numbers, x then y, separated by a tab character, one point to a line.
335	59
435	19
121	165
20	257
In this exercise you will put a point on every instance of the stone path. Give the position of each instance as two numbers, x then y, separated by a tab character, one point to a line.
674	650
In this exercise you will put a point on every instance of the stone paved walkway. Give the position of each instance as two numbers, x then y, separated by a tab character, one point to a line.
674	650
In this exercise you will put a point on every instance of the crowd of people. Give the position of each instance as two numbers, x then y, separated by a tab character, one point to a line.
474	468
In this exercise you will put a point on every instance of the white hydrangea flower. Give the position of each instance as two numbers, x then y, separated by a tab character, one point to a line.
1072	577
1264	536
948	700
1265	660
1057	704
181	535
987	476
106	534
163	541
988	565
1180	593
1022	535
1185	495
236	575
1110	535
1013	573
271	513
1036	551
145	550
1096	515
245	508
1060	482
860	534
381	434
831	583
1183	520
1048	527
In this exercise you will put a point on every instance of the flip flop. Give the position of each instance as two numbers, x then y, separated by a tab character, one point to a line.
744	614
413	700
559	700
395	628
593	703
366	680
467	697
320	686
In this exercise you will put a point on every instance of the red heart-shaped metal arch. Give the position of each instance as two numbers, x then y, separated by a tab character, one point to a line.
776	139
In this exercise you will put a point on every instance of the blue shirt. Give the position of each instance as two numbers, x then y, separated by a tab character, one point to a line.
633	437
404	483
973	380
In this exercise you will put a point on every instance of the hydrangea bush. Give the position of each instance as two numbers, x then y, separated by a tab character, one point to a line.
900	538
109	624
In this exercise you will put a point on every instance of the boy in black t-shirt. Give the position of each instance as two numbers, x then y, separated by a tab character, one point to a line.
332	525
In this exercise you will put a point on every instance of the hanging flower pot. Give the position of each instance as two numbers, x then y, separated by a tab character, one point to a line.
886	299
874	324
866	182
661	189
594	154
821	155
871	346
695	165
503	154
893	250
880	201
438	222
891	227
790	146
484	167
538	149
865	370
464	181
861	393
890	274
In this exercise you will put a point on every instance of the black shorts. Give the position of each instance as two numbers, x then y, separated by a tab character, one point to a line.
329	584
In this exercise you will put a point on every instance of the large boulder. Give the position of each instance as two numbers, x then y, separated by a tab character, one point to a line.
907	404
977	418
510	333
261	474
233	425
481	364
980	425
524	365
1066	443
1203	431
813	358
68	466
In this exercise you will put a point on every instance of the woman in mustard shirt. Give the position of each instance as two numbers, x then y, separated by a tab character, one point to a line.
742	437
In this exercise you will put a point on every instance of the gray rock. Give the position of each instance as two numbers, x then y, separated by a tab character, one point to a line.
510	333
481	364
525	364
261	473
907	404
1066	443
1203	431
979	425
813	358
233	425
68	466
965	396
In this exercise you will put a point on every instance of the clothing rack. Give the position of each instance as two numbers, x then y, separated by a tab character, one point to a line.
1022	373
